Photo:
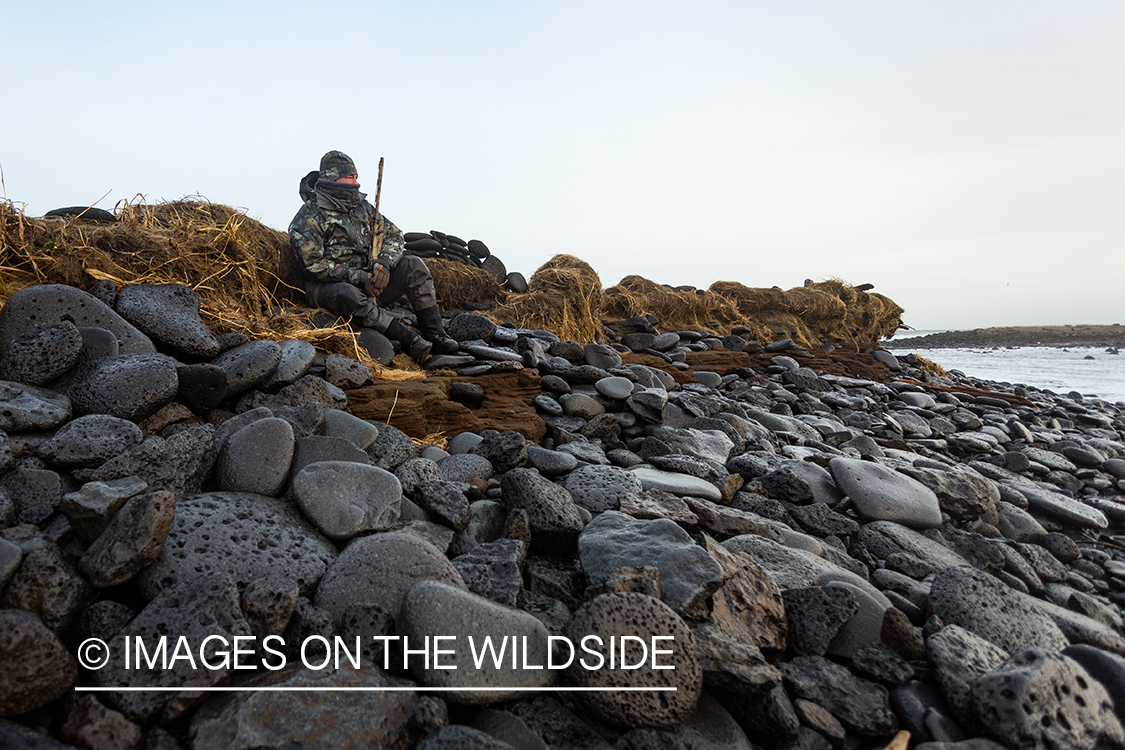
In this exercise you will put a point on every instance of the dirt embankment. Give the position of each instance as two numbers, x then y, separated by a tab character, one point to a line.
1083	335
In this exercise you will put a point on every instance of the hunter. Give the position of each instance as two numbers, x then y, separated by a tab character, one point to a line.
354	262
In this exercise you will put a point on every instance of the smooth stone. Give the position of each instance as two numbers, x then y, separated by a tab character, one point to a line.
1017	524
345	498
296	359
27	408
435	608
550	463
1062	507
37	307
359	432
493	353
315	448
888	359
249	365
652	478
242	536
582	406
90	441
665	341
882	494
617	388
169	315
381	569
601	356
688	574
257	458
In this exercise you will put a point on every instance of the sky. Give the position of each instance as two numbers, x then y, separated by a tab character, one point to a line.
965	157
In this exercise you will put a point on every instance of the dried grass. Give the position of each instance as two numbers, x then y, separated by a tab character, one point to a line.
564	296
459	285
243	271
248	281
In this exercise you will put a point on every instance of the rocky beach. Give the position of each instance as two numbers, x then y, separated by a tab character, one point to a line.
752	542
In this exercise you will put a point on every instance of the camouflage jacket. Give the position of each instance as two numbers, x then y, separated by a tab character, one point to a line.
340	245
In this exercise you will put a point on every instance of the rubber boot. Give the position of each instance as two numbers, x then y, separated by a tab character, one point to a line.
412	343
429	323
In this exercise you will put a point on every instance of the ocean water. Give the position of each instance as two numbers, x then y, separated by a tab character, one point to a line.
1052	368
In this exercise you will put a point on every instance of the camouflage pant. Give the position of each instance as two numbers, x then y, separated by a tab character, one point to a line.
409	277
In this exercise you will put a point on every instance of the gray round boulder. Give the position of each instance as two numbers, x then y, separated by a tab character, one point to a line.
435	608
257	458
345	498
38	357
249	365
882	494
90	441
641	620
169	315
380	569
129	386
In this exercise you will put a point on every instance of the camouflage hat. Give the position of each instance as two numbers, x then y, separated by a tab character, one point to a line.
336	164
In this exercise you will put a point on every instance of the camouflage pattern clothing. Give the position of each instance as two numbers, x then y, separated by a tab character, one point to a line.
335	242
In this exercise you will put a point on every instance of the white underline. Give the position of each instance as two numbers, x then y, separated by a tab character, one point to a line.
418	689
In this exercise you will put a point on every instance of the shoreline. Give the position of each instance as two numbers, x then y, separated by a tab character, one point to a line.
1109	336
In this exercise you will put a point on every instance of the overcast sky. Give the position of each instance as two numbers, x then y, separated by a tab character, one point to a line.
966	158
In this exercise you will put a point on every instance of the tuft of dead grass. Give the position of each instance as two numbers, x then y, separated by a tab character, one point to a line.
563	296
459	285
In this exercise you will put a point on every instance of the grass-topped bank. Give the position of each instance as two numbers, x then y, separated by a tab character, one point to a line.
1081	335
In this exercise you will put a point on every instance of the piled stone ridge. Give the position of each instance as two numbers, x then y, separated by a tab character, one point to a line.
831	559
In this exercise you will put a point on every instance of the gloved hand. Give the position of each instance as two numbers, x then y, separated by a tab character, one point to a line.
377	280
